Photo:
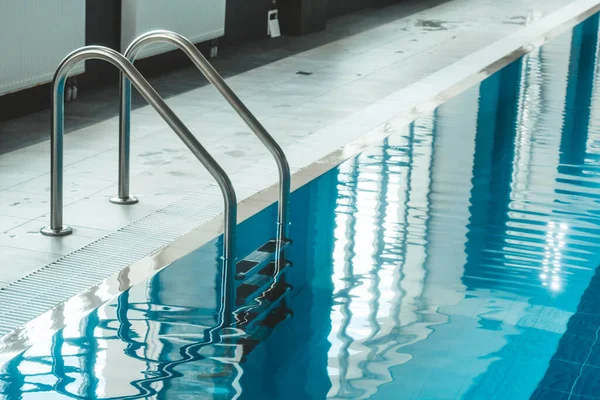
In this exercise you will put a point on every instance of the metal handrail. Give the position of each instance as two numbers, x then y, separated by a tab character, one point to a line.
214	78
127	69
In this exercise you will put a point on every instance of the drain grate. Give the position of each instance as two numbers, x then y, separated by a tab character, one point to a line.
33	295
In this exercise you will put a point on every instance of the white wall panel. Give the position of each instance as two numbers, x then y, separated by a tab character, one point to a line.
35	35
197	20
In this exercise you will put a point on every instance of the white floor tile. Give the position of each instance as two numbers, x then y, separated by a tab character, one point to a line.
98	214
76	185
104	167
27	237
206	96
8	222
150	197
12	176
18	263
31	160
329	52
23	205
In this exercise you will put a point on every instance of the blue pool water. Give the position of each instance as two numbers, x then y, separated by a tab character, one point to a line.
456	260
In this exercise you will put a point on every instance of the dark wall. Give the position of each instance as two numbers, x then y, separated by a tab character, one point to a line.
14	105
102	27
246	20
300	17
341	7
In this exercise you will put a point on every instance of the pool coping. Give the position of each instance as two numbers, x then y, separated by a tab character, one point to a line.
426	95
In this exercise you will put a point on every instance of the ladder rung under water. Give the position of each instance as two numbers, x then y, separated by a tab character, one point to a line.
253	263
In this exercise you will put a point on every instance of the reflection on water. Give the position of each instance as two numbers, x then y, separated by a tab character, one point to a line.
445	263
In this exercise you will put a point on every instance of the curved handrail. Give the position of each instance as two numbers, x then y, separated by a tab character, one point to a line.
57	228
214	78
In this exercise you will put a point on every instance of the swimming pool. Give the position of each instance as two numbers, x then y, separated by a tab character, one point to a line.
456	260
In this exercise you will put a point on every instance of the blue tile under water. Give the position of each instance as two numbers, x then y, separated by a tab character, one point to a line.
456	260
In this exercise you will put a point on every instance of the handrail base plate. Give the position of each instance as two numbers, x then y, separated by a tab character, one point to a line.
64	231
124	201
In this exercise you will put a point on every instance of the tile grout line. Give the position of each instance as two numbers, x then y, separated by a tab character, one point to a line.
597	336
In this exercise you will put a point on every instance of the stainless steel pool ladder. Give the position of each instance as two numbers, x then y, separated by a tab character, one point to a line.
57	228
217	81
258	275
251	287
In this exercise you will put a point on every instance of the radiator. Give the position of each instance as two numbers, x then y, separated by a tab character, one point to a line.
35	35
197	20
